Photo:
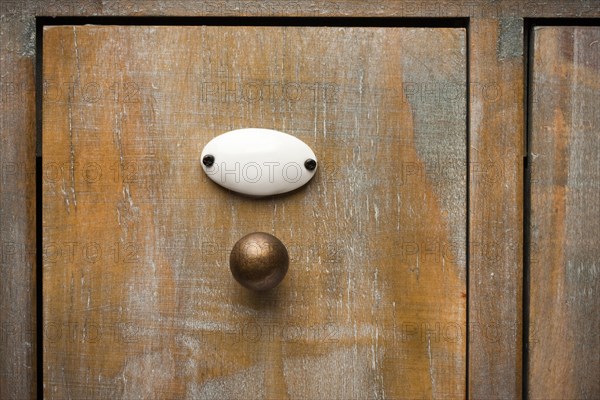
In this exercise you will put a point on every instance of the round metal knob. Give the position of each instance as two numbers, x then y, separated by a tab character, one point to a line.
259	261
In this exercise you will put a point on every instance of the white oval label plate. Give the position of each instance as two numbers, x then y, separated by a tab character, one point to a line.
258	162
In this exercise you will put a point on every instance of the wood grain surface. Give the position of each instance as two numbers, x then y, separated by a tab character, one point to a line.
493	370
564	261
136	279
18	338
496	151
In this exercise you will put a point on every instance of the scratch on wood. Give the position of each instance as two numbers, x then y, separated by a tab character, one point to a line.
71	155
431	369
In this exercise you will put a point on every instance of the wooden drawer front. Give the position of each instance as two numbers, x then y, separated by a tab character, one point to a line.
564	256
137	239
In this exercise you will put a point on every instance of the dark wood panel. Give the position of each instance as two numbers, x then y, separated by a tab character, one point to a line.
564	347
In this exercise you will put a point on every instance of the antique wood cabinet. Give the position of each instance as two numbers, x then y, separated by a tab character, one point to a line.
447	247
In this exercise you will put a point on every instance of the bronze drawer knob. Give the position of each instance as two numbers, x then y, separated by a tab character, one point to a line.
259	261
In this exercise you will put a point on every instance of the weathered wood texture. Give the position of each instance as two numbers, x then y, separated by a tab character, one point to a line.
495	203
136	279
17	152
17	210
564	259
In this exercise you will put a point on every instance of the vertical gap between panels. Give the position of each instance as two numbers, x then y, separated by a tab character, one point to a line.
468	202
39	303
528	70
